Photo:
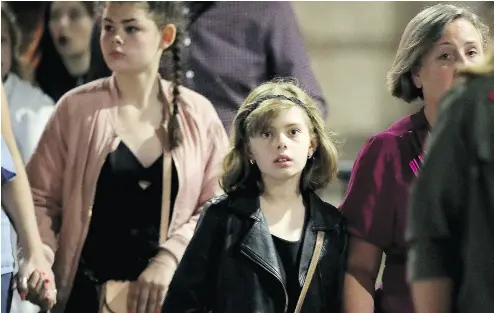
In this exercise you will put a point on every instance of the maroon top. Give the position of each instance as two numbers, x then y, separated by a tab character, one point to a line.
377	200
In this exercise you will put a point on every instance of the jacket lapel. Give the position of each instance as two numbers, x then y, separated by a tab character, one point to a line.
257	244
315	222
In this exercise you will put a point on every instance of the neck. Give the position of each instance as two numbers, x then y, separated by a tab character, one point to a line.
282	192
430	114
77	65
137	89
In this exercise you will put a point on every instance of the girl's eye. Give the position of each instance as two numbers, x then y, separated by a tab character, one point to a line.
266	135
131	29
294	131
107	28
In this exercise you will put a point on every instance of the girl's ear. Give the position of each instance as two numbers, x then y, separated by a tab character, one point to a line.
313	145
168	35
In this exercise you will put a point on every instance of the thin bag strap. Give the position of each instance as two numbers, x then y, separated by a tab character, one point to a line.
166	196
312	268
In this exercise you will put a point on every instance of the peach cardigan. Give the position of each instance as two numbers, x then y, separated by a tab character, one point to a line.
64	170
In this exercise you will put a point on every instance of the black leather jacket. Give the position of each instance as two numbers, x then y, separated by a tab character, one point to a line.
231	264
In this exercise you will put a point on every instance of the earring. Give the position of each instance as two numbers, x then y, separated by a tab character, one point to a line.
252	162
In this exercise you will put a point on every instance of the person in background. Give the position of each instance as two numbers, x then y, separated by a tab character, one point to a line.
115	151
435	42
230	47
29	107
452	204
17	206
64	47
253	249
29	16
29	110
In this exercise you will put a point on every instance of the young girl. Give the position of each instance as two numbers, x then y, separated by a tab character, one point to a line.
102	177
254	247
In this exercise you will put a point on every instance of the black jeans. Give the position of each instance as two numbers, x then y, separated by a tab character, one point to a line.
6	292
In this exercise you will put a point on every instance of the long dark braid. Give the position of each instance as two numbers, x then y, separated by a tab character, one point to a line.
175	136
171	12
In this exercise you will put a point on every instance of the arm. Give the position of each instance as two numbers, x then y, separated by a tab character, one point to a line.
191	288
364	261
369	211
287	56
45	171
16	194
218	146
434	256
342	266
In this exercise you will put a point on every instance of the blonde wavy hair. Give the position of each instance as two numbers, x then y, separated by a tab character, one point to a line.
255	116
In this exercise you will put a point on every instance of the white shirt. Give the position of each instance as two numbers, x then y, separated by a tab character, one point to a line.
29	110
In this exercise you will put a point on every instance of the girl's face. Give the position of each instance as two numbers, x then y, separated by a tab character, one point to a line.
282	150
70	27
130	40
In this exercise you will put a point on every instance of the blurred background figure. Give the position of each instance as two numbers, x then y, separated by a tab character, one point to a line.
64	47
29	107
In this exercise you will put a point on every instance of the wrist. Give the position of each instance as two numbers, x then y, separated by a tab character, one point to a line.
32	248
164	257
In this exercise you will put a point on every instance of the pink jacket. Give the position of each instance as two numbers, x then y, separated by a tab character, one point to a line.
64	170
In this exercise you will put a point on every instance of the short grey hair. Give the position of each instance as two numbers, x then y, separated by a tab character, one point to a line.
425	29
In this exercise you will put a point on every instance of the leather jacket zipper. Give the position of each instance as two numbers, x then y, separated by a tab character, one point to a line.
254	258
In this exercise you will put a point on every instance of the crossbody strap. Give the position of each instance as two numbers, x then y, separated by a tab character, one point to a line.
312	268
166	196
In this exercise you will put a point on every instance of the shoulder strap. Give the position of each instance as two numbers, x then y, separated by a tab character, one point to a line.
166	196
312	268
417	150
415	143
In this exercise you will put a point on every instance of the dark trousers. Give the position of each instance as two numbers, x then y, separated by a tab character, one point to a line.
6	292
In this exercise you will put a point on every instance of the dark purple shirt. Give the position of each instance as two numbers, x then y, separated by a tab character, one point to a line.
377	200
231	47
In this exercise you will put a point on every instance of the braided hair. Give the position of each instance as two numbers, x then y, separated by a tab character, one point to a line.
163	13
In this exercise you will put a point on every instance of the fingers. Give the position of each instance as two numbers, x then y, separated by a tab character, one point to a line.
40	290
21	283
47	296
158	300
133	297
34	284
143	297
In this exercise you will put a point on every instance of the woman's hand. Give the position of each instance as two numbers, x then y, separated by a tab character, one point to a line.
35	281
147	293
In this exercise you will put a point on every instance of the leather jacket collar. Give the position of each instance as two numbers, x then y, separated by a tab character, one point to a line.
258	246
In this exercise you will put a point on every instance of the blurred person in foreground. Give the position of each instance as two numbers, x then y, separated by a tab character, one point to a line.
433	45
451	232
